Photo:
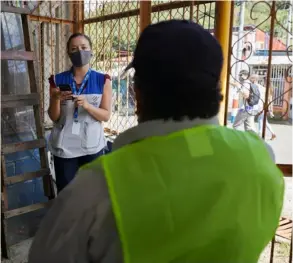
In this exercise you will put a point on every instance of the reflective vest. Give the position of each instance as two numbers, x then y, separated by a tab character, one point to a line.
90	139
203	195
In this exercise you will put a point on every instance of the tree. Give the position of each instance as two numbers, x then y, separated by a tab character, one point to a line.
258	14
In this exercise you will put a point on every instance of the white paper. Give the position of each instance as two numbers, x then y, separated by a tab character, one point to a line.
76	128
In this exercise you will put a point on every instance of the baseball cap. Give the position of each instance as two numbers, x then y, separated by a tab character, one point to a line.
243	75
176	49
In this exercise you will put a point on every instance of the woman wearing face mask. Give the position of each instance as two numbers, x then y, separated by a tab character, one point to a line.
77	137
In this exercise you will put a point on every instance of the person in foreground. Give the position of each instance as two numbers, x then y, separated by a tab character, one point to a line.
78	137
177	188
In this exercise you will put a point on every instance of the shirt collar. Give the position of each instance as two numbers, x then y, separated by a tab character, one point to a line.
158	128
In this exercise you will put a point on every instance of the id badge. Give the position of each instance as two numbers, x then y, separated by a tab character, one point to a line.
76	128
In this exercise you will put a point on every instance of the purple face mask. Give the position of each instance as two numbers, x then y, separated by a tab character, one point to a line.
80	58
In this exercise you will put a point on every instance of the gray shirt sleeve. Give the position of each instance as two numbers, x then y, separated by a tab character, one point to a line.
80	226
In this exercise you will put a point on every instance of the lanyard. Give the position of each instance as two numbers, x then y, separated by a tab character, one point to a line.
79	91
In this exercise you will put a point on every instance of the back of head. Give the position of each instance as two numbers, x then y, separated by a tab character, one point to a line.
177	70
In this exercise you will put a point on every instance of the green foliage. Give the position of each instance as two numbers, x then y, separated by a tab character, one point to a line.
257	13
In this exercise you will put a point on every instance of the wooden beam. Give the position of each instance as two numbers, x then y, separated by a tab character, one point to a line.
15	10
78	15
12	101
50	20
26	176
123	14
135	12
22	146
4	201
18	55
81	15
34	88
26	209
145	12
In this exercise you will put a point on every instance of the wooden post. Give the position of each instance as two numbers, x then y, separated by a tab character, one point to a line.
145	12
222	33
78	16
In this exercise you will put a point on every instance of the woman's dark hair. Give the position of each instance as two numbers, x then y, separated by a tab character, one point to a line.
77	35
196	96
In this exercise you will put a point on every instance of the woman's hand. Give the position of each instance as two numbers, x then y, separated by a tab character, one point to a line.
81	101
60	95
103	112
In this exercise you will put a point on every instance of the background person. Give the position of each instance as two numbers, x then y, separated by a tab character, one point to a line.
262	89
178	187
78	136
246	113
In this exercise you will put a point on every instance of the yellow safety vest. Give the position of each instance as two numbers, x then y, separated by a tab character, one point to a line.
207	195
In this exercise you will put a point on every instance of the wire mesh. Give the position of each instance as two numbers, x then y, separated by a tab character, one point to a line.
113	45
50	28
49	38
114	29
14	78
201	13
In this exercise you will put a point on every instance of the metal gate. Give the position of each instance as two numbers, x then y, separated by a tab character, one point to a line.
115	26
261	43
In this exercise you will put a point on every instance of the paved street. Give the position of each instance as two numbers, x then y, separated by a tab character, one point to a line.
282	145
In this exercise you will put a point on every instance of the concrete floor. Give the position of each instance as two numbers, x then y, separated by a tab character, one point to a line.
19	252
